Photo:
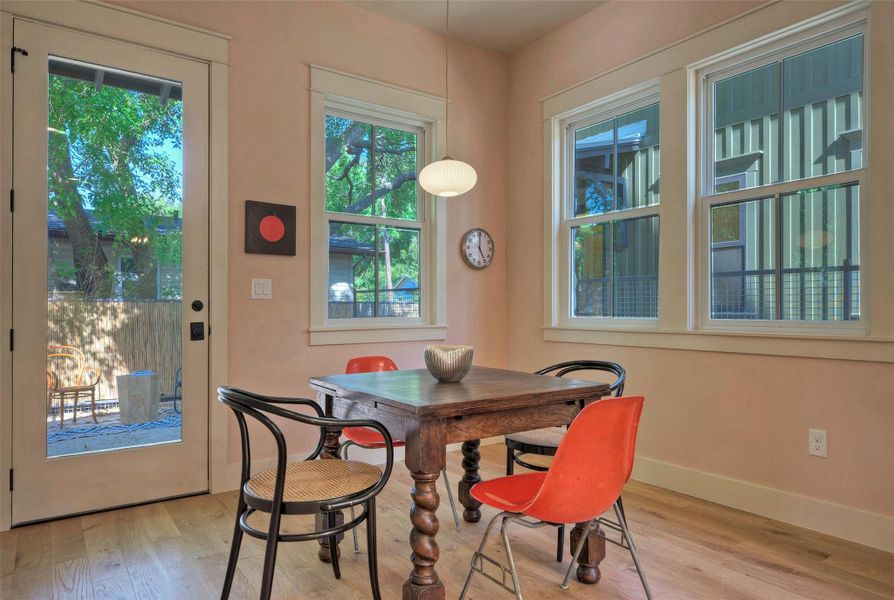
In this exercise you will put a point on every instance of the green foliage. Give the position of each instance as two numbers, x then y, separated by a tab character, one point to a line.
111	144
371	171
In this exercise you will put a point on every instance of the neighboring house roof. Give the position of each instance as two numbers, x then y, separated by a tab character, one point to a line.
343	243
337	243
56	227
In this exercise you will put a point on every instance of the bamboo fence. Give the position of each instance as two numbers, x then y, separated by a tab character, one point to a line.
117	337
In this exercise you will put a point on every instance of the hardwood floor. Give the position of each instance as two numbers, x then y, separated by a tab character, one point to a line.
690	549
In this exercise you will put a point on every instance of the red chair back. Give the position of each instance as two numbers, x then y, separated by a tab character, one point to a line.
370	364
592	464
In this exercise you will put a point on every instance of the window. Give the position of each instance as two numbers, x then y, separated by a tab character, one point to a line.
611	210
783	172
373	263
377	239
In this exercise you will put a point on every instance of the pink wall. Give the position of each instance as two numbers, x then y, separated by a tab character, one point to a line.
740	416
271	47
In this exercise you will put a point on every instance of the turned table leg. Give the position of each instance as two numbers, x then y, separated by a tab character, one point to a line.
591	555
426	455
424	583
331	441
471	457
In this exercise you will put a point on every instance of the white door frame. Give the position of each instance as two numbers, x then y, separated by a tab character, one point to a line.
87	16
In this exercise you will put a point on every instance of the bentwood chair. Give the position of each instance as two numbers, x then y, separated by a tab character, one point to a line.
307	487
370	439
545	442
591	466
83	386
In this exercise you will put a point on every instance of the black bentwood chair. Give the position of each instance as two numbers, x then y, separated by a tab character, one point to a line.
545	442
308	487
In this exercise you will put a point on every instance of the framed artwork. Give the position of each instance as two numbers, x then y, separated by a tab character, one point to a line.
269	228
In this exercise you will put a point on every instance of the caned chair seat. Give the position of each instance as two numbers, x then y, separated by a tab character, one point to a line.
316	480
549	437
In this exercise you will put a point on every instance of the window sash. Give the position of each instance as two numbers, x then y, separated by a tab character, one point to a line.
609	111
762	58
376	120
858	177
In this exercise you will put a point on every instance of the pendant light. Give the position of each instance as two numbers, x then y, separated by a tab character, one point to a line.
447	177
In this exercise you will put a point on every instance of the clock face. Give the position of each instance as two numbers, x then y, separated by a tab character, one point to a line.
477	248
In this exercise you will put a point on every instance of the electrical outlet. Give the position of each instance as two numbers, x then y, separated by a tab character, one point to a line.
816	442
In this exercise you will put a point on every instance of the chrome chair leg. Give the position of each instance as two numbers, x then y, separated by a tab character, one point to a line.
343	451
504	528
577	551
450	497
629	538
487	531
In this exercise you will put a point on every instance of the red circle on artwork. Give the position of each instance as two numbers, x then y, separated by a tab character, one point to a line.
272	228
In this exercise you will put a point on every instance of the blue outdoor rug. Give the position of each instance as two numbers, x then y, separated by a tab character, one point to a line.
72	433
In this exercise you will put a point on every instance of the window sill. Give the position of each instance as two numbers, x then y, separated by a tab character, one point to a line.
770	344
376	333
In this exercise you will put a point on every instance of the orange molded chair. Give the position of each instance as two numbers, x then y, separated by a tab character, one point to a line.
591	466
368	438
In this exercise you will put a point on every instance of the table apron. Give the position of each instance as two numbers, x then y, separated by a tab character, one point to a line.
394	422
484	425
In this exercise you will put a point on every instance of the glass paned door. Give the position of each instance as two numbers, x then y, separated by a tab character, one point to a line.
110	273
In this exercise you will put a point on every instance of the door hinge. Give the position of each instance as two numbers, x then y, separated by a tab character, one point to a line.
12	200
10	479
12	56
12	340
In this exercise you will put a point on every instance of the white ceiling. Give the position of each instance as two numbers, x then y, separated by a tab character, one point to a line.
499	25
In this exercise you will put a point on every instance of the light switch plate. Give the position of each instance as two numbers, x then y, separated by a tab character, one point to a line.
261	289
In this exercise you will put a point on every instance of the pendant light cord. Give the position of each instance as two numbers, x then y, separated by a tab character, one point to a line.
447	81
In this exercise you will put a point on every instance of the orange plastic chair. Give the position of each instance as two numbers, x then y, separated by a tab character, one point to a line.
591	466
365	437
86	380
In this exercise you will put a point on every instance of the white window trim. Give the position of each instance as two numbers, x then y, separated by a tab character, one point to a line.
774	49
559	215
341	92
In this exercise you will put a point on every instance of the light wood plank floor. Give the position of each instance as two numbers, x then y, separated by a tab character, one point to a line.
690	548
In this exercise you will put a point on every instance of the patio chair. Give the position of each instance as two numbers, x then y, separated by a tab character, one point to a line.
84	386
591	466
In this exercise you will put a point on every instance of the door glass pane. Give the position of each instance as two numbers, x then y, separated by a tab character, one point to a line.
114	268
822	110
746	123
743	271
821	254
615	272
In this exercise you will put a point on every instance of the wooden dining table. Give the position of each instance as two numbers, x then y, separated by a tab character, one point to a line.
428	415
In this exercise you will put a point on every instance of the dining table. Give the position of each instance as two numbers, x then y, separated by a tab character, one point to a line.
428	415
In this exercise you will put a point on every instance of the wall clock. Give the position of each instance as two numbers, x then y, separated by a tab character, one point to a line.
477	248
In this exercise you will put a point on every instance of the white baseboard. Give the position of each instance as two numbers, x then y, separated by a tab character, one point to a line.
863	527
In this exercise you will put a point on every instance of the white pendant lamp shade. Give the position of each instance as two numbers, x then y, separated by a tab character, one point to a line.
448	177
